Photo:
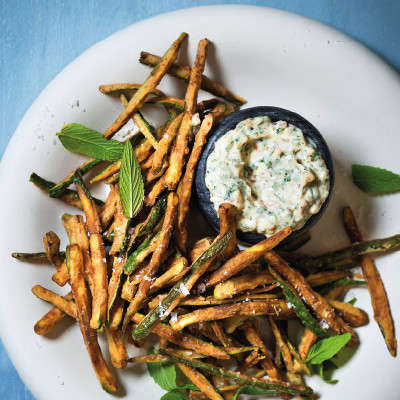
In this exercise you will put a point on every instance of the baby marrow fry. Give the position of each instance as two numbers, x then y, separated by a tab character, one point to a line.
314	300
187	182
245	257
116	347
176	266
200	381
97	255
156	258
67	306
184	285
51	244
276	307
238	284
165	143
75	267
180	147
379	300
144	250
155	192
227	221
352	315
39	257
285	351
68	196
184	340
267	384
121	226
357	249
45	324
251	331
58	189
150	83
298	306
109	209
183	72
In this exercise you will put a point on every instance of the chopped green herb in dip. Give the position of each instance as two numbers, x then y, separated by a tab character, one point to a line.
272	174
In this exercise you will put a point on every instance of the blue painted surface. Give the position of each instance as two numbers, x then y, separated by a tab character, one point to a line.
38	38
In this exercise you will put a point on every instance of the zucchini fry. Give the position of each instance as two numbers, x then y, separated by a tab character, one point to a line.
227	221
251	331
121	226
187	182
352	315
51	318
267	384
356	249
181	288
58	189
116	347
200	381
155	192
238	284
183	72
68	196
156	259
184	340
51	244
285	351
165	143
33	257
78	285
67	306
148	86
245	257
276	307
180	148
109	209
314	300
98	257
375	286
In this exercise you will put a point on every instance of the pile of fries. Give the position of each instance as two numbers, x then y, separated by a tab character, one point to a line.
134	276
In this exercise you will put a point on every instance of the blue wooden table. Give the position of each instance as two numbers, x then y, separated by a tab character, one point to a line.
40	37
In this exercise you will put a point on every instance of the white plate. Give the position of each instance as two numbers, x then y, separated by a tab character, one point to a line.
271	58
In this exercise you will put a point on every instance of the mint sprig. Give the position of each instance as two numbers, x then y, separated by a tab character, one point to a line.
79	139
375	180
131	186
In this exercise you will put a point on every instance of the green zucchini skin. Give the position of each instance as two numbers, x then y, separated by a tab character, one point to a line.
156	214
350	252
40	257
275	386
144	328
298	306
60	187
48	185
132	261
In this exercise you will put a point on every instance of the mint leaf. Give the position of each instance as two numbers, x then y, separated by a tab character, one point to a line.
163	373
253	391
376	180
79	139
174	395
131	187
327	348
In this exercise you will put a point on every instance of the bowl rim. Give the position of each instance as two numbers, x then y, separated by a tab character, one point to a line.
276	114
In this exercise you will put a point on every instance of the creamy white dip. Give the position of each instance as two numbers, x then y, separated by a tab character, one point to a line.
272	174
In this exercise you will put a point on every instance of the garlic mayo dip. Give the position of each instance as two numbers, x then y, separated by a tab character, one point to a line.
272	174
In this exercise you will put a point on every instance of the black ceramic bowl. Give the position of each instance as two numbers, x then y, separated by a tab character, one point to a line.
276	114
